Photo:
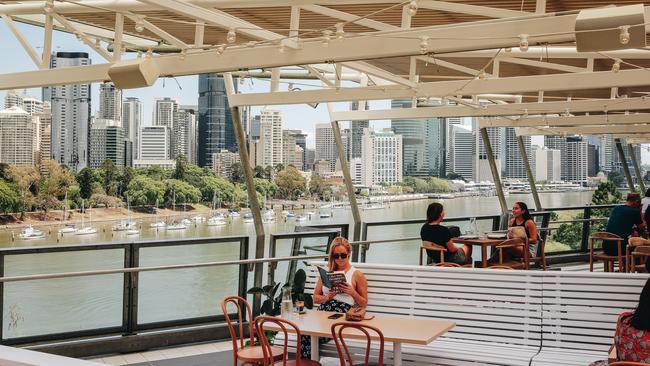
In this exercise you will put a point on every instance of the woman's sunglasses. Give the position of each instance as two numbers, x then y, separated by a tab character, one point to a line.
340	255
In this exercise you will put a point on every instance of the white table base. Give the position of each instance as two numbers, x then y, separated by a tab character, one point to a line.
397	351
315	350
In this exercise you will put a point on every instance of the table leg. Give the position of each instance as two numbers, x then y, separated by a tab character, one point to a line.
484	256
315	351
397	354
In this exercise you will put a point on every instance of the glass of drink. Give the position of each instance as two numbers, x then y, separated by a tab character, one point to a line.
300	306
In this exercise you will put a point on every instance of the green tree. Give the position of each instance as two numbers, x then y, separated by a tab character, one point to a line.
109	175
9	199
181	167
605	194
291	184
85	179
265	187
144	190
268	172
259	172
25	178
57	181
438	185
157	173
181	191
617	178
454	176
237	173
570	234
316	185
127	175
194	175
107	201
3	171
218	187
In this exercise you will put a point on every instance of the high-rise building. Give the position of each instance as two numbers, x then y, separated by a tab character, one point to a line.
132	120
559	143
325	145
17	137
424	143
381	154
184	135
44	135
154	143
310	157
449	123
271	145
254	133
593	166
461	151
106	142
301	140
356	133
222	162
356	170
547	164
32	105
216	129
70	114
14	98
110	102
576	160
481	167
515	167
163	112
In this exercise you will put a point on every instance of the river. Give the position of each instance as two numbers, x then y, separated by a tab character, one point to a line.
72	304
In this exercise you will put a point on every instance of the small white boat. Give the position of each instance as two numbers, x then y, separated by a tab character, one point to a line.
29	233
132	232
124	225
176	226
68	229
198	218
301	218
290	215
325	215
186	222
217	220
157	224
248	218
234	214
268	217
88	230
285	213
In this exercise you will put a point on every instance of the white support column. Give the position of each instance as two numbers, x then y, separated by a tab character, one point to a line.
117	42
496	68
319	75
406	17
23	41
275	79
294	22
540	7
165	36
199	33
47	41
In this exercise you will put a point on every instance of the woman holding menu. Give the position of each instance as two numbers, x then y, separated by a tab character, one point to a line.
344	295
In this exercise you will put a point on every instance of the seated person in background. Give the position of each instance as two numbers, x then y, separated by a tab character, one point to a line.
434	233
632	337
353	292
622	221
521	218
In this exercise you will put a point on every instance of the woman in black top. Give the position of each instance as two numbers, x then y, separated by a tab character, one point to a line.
434	233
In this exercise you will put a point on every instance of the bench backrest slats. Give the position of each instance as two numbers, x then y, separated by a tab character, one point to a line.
565	309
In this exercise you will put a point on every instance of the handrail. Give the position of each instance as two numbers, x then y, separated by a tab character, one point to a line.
366	242
153	268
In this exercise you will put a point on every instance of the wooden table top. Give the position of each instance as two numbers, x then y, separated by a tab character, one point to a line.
395	328
479	241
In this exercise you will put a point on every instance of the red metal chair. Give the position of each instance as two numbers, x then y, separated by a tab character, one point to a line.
366	330
269	357
250	354
448	264
628	363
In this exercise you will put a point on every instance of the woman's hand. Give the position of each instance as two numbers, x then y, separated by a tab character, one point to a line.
346	288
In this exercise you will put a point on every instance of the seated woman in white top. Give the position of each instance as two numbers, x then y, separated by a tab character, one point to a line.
354	291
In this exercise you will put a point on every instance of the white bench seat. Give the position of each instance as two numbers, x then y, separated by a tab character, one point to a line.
502	317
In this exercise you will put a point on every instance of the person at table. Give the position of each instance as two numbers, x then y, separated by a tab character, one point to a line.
521	218
632	337
622	221
353	292
432	233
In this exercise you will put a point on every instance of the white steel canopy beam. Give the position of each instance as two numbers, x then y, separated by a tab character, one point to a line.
542	65
513	109
380	73
163	34
556	82
566	121
591	130
84	38
38	61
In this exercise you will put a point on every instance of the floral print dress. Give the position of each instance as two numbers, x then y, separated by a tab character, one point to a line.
631	344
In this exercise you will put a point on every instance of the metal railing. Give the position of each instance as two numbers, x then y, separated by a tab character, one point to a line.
131	255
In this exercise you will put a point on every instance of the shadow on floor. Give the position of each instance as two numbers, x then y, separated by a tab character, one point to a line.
206	359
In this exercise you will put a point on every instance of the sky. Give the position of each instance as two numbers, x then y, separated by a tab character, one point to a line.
185	88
